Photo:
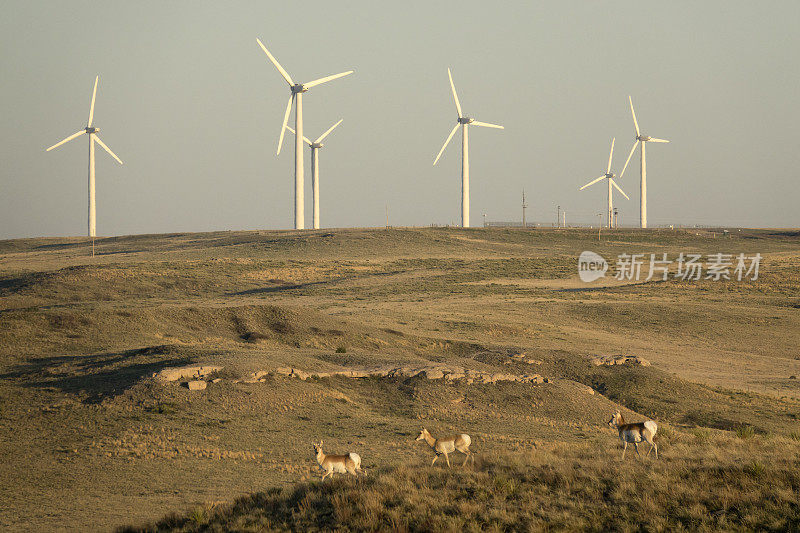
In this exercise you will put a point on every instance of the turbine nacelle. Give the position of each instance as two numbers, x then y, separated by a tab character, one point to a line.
91	129
298	88
465	120
643	138
316	145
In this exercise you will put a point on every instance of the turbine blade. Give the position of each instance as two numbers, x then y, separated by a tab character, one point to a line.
629	159
326	79
636	124
658	141
608	170
452	132
593	182
304	137
285	122
107	149
455	96
486	125
94	95
275	62
614	183
319	139
78	134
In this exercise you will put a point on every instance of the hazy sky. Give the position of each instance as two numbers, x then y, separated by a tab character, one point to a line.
193	107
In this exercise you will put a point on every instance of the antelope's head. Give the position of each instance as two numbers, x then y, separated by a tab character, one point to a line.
614	422
422	434
317	448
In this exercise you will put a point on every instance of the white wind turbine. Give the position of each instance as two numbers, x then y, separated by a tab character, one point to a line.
610	177
315	146
644	139
463	122
297	90
93	137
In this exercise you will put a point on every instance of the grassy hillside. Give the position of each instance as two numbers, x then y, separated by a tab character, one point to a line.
89	439
559	487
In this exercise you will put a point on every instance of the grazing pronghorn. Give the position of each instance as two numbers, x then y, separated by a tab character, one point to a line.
635	433
448	445
340	464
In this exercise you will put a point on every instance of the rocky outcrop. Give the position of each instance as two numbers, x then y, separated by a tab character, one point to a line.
428	372
194	377
611	360
184	373
197	384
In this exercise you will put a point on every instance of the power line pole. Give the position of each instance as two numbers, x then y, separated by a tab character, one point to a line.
599	225
558	217
524	207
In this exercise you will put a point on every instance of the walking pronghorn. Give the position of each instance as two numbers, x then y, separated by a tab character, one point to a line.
448	445
635	433
340	464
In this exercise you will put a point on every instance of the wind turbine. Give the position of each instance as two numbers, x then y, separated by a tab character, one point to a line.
610	177
315	146
643	184
93	137
463	122
297	90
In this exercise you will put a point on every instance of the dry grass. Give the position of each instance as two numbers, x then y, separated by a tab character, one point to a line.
720	483
82	426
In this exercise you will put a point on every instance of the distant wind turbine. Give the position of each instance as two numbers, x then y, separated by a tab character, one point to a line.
315	146
610	177
643	184
93	137
463	122
297	90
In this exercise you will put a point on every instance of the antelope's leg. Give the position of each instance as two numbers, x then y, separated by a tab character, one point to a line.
466	458
636	445
324	475
446	458
434	459
624	448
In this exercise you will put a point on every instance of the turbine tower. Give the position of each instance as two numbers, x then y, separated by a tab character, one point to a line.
93	138
463	122
643	183
315	146
297	90
610	177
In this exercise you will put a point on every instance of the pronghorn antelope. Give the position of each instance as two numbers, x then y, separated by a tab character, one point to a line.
340	464
635	433
448	445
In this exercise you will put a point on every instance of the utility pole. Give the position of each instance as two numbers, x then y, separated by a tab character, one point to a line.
558	217
484	220
615	218
524	207
599	225
564	216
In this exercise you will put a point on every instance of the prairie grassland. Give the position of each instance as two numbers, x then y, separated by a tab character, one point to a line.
702	482
89	440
